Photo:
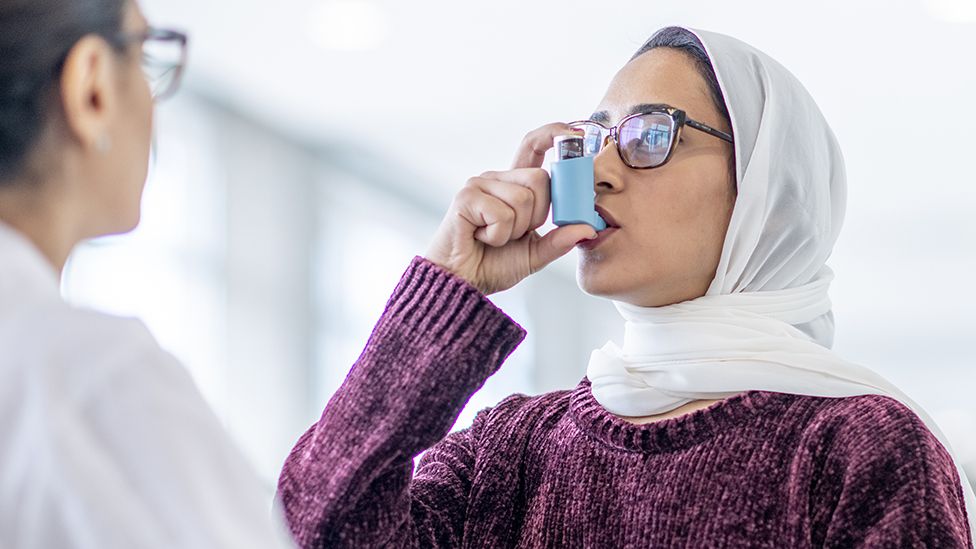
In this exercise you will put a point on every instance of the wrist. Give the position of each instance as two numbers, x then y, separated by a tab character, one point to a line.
455	271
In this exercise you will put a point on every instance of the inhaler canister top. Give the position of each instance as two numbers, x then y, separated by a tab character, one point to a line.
568	147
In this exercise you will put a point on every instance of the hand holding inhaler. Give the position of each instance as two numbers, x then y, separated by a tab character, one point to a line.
488	236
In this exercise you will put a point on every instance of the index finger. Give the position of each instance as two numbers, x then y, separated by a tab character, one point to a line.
532	151
534	179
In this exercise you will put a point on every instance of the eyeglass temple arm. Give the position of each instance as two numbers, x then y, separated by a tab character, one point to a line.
709	130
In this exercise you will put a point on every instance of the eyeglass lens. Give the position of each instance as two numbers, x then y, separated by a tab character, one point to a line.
643	141
162	61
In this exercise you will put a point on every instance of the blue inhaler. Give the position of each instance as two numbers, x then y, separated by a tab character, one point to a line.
571	184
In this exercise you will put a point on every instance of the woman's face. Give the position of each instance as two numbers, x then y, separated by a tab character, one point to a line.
673	218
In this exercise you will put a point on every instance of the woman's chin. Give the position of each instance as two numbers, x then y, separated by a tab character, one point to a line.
596	280
602	279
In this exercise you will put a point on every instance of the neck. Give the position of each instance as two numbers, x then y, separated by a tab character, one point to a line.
45	220
677	412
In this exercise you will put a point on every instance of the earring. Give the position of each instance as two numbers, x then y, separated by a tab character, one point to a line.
103	144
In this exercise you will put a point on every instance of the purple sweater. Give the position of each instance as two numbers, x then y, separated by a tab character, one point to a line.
759	469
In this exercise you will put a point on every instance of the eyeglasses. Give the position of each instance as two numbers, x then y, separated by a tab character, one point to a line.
164	56
644	140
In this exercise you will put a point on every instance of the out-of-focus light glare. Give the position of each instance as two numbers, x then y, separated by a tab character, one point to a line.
348	25
953	11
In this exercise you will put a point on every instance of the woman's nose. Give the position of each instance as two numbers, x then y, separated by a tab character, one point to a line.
608	170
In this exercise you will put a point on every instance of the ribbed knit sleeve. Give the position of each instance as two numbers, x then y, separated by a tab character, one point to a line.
349	480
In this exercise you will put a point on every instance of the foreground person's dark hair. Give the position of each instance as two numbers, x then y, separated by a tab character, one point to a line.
35	39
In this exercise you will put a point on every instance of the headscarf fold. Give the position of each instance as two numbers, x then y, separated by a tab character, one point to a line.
765	322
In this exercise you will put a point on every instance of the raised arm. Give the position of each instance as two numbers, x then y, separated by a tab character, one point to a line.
349	481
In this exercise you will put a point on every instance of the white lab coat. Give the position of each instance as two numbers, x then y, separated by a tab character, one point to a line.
105	441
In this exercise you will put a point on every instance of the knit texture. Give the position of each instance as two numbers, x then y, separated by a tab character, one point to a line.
759	469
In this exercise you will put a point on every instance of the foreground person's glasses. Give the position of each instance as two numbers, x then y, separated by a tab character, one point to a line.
163	59
644	140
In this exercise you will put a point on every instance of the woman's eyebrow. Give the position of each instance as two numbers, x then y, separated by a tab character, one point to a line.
644	107
603	117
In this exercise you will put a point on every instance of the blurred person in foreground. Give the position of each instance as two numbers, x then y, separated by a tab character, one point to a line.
105	442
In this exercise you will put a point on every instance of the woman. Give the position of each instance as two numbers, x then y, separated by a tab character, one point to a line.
723	421
104	440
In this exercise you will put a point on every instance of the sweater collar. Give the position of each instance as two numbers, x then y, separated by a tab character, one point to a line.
669	434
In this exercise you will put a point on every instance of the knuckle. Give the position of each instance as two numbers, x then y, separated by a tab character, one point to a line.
538	178
507	215
539	175
465	195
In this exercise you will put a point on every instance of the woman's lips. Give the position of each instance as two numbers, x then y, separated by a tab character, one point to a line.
607	217
602	236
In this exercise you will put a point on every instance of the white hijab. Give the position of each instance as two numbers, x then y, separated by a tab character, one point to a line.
765	322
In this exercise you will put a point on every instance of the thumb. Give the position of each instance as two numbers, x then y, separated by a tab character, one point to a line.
557	243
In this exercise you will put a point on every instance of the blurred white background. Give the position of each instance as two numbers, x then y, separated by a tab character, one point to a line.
316	144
